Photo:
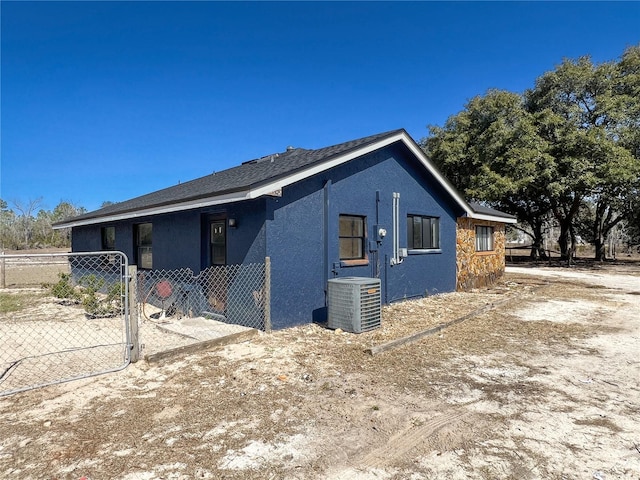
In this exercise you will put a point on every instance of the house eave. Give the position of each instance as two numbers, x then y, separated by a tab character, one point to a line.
269	187
157	210
492	218
334	162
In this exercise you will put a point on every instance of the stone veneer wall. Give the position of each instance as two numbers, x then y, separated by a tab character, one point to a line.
478	269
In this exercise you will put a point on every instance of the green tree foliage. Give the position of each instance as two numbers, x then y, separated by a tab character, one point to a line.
629	90
569	147
27	226
585	114
493	153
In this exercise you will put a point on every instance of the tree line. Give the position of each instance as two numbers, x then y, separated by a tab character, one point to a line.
564	154
25	225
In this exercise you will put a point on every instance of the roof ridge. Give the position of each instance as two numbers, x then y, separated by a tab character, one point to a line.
236	178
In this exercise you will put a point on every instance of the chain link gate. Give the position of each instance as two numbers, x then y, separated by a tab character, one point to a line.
62	317
179	308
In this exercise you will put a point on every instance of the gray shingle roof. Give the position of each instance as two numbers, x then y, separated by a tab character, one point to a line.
476	207
250	174
256	177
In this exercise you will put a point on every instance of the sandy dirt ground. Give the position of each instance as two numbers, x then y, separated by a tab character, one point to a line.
50	340
544	384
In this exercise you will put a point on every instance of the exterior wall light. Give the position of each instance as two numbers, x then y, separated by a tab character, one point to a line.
233	223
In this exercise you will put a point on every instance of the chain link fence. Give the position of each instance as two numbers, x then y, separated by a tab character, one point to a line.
178	308
70	316
62	317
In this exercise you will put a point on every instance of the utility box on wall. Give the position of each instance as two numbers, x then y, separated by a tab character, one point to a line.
354	304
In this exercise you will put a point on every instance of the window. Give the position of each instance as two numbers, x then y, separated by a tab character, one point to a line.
352	237
143	245
484	239
108	238
218	243
423	233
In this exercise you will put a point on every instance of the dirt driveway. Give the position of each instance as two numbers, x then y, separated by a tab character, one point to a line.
546	384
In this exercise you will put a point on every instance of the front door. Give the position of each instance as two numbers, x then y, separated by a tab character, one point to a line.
218	242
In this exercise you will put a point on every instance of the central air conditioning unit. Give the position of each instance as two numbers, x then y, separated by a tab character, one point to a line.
354	304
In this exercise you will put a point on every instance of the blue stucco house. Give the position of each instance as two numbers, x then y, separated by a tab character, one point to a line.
372	207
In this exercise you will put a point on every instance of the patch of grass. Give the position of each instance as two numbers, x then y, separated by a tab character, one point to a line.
15	302
9	303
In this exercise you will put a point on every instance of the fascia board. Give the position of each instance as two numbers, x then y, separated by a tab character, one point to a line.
314	170
417	151
401	136
492	218
229	198
450	189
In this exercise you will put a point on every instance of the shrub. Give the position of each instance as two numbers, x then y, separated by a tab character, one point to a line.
97	304
87	293
64	289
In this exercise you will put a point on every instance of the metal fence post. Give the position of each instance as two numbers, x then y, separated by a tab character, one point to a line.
267	295
3	278
133	314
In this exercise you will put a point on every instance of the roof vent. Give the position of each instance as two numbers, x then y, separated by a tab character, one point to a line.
262	159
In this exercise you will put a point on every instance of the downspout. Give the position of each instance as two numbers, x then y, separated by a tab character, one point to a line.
325	229
376	256
386	279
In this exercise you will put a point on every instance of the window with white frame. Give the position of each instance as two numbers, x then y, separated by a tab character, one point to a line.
484	238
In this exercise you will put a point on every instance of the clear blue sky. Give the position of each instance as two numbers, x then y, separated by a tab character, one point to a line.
111	100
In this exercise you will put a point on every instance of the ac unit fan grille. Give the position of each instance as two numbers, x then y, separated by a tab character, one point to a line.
354	304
